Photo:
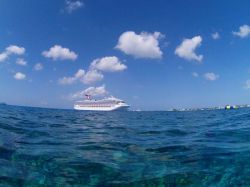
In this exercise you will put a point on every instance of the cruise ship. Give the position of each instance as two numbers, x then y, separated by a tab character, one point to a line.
106	104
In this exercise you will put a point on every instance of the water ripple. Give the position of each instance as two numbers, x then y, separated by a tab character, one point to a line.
46	147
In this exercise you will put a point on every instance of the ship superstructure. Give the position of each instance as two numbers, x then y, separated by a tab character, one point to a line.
106	104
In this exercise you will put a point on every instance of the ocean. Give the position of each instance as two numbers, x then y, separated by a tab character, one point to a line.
49	147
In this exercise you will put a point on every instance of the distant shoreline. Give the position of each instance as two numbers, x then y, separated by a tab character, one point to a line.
206	108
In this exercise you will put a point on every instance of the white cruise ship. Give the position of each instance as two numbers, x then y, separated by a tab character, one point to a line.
106	104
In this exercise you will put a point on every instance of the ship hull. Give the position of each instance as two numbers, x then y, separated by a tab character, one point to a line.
111	108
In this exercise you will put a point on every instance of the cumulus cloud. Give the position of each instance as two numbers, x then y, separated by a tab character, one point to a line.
195	74
95	71
3	57
14	49
215	36
38	67
70	80
92	76
89	77
247	84
108	64
211	76
58	52
93	91
19	76
143	45
187	49
79	74
11	50
21	62
67	80
73	5
243	32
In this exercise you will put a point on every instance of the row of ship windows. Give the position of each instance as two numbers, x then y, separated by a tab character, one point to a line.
94	106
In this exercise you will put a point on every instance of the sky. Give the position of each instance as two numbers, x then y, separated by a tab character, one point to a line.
154	54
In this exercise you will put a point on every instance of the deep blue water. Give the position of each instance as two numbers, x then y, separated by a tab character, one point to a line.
47	147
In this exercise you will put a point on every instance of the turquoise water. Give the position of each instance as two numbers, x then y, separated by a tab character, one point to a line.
46	147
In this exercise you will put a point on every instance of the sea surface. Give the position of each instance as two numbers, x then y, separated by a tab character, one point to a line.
61	148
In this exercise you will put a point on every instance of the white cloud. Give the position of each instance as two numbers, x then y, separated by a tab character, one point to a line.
19	76
73	5
14	49
21	62
211	76
38	67
67	80
80	73
195	74
108	64
187	48
93	91
3	57
92	76
89	77
243	32
143	45
215	36
58	52
70	80
96	91
247	85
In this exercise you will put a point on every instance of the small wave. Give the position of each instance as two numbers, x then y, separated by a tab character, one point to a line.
168	149
70	148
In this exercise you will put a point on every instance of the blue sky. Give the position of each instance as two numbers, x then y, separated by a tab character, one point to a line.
153	54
